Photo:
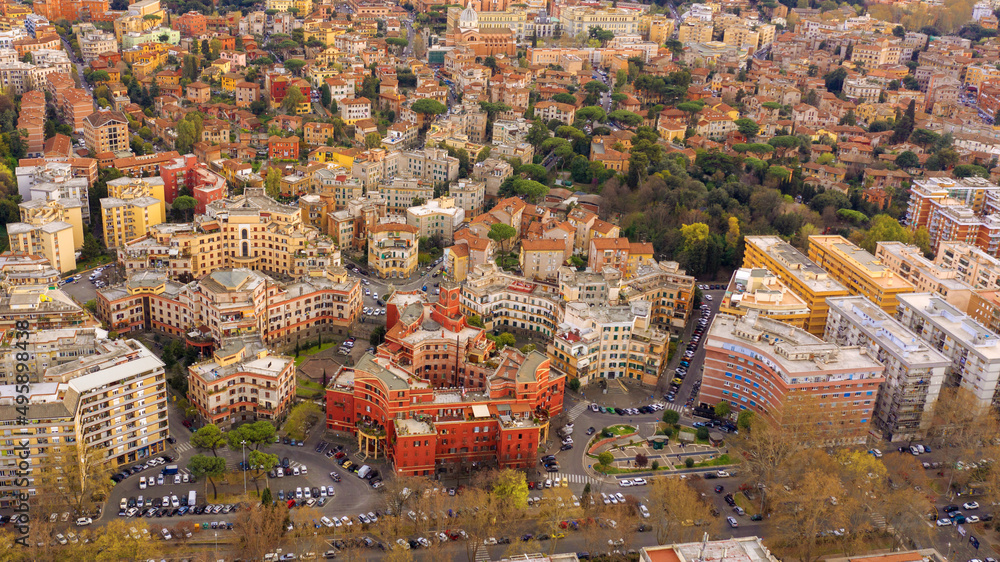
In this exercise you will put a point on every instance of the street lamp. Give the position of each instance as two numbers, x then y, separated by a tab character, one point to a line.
244	449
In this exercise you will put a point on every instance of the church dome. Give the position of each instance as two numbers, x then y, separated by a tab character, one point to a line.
469	18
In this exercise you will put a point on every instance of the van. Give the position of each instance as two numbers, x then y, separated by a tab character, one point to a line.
192	498
363	471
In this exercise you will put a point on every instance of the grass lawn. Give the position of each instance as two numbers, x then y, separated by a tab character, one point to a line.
721	460
620	429
306	353
693	431
306	388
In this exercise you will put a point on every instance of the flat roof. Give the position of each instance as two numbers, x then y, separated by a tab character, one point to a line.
797	264
962	329
890	334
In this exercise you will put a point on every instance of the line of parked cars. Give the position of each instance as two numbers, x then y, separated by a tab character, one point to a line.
136	469
682	370
627	411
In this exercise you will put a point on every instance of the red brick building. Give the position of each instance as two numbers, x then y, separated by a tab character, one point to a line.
437	398
191	24
283	148
186	171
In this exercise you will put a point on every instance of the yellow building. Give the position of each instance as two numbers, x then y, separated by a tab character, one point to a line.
809	281
133	206
757	289
53	241
392	250
106	131
301	7
39	212
694	31
861	272
660	27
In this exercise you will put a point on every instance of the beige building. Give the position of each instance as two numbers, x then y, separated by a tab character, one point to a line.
108	396
49	228
926	276
579	19
133	206
39	212
469	195
971	264
760	290
511	303
862	273
106	131
436	217
541	259
392	250
243	382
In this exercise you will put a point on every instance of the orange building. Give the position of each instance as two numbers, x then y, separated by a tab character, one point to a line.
283	148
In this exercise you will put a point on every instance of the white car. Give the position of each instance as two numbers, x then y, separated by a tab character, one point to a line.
326	521
621	498
970	505
303	469
944	522
638	481
625	483
972	519
166	534
142	482
83	521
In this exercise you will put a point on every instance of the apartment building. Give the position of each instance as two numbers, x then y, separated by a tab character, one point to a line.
620	254
972	265
53	241
511	303
760	290
17	269
541	259
401	193
133	206
106	131
392	250
41	305
763	365
909	262
666	287
601	341
984	307
914	371
93	41
39	212
469	195
250	230
798	272
243	382
579	19
431	164
549	110
49	180
111	399
437	217
928	196
354	110
973	350
442	400
862	273
234	302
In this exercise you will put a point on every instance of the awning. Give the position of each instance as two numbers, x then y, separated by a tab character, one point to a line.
480	411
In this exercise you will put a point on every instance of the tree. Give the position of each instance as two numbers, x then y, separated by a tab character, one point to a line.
835	79
884	229
626	117
924	138
99	76
377	337
747	127
605	459
256	435
185	204
80	477
641	460
266	498
898	31
538	134
293	97
563	97
907	159
373	140
117	542
209	437
400	42
744	420
325	96
209	468
904	125
295	65
531	189
300	418
272	182
258	529
428	106
502	234
262	463
674	506
722	409
671	417
510	488
596	87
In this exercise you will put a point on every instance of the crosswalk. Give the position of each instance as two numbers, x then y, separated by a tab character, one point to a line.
673	406
579	478
482	555
577	410
183	447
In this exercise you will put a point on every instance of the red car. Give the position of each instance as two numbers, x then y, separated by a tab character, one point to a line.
291	504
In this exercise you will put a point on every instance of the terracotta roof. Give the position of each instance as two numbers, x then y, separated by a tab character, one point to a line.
543	245
394	227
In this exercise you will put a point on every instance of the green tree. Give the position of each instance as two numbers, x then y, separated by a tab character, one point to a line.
266	498
373	140
209	468
428	106
272	182
563	97
295	65
574	384
907	159
325	97
300	418
209	437
626	117
531	189
99	76
904	125
723	409
256	435
185	204
835	79
510	487
538	134
671	417
502	234
747	127
702	433
884	229
605	459
377	337
293	97
744	420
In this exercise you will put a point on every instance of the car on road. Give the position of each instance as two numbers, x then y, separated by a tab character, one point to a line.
732	522
943	522
970	505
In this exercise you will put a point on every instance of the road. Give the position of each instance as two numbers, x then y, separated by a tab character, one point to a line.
698	360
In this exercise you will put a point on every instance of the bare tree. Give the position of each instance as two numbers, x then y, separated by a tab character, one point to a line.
258	529
674	507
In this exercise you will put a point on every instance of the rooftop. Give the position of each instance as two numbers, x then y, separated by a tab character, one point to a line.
759	289
962	329
796	264
890	334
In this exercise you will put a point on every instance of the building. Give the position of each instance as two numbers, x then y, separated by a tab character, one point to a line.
914	371
469	195
961	210
511	303
249	231
601	341
354	110
437	217
664	285
549	110
802	275
228	303
973	350
437	398
186	172
579	19
108	396
392	250
862	273
972	265
43	306
51	179
106	131
909	262
19	269
283	148
743	549
133	206
39	212
620	254
243	382
541	259
760	290
765	366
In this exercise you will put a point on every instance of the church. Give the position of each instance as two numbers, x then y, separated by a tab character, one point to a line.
466	33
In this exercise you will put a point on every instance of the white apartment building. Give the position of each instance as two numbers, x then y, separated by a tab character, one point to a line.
914	372
436	217
971	264
973	350
511	303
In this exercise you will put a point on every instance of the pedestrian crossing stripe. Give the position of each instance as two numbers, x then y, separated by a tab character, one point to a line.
182	447
578	409
482	555
578	478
